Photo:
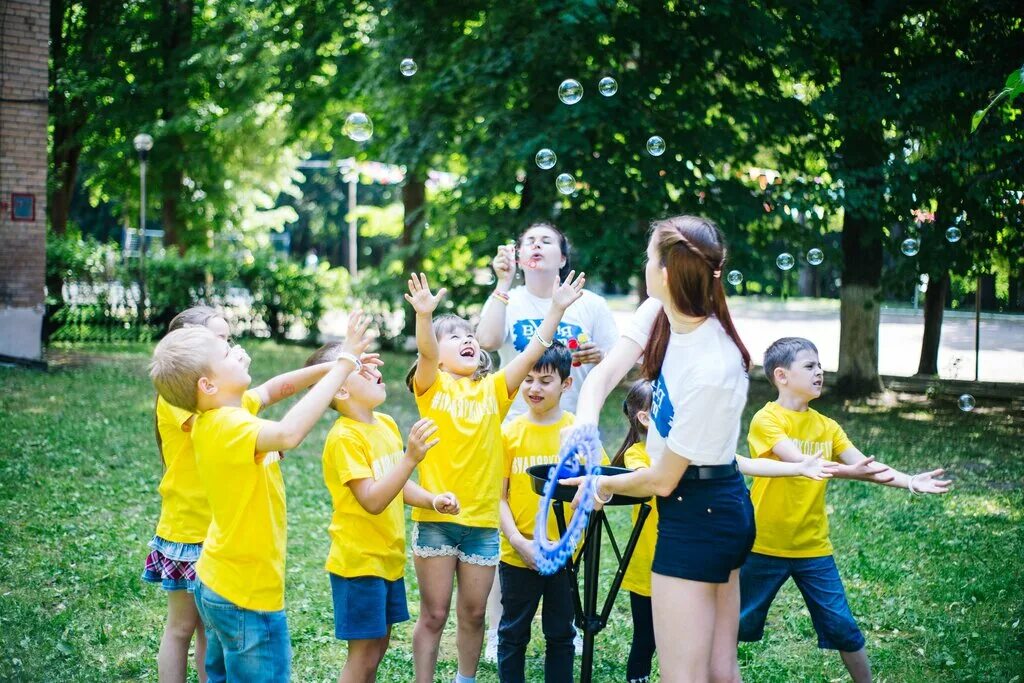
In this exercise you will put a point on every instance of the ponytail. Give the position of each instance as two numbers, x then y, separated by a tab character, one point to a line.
638	398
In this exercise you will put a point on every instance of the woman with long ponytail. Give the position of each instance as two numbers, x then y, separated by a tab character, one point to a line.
697	365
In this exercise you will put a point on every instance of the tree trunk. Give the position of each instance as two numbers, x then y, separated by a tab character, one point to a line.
860	163
177	40
414	205
934	307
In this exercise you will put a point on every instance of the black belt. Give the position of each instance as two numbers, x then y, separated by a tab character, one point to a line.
711	471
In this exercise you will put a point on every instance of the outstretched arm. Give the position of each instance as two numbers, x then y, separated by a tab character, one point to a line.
810	466
562	296
297	423
923	482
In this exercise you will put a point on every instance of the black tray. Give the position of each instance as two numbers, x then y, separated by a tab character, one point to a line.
539	477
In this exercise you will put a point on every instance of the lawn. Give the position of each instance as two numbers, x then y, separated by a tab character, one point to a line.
935	582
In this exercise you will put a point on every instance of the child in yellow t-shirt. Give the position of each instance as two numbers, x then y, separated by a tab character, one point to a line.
534	438
637	579
792	525
184	518
367	474
452	388
239	588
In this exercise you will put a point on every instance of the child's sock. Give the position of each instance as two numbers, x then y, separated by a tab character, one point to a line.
459	678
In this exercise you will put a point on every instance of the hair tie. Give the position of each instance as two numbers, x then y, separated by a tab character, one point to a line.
717	273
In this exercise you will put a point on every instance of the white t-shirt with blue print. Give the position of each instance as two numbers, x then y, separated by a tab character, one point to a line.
588	315
698	399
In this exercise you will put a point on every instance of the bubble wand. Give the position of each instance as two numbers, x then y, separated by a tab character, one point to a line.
580	455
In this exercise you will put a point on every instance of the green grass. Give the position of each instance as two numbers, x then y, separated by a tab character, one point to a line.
935	582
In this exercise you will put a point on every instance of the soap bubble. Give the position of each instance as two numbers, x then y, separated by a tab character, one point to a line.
656	145
815	256
966	403
358	127
545	158
734	277
953	234
785	261
910	247
607	86
570	91
565	183
407	67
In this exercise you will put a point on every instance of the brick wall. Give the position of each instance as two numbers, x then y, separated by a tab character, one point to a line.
24	52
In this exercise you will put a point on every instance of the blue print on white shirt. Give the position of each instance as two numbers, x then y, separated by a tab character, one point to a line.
523	331
662	411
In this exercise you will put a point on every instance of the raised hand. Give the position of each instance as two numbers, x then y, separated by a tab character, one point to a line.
357	336
929	482
422	300
446	503
420	439
563	294
504	264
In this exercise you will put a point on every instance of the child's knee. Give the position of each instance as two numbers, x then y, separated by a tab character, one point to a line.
182	627
433	617
472	615
725	672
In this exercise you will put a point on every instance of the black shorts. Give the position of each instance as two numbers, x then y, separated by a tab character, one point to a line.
705	529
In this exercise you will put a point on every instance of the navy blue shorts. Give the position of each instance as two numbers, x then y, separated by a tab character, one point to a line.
705	529
818	580
366	606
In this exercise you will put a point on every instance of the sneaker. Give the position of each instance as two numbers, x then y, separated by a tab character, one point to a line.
491	651
577	643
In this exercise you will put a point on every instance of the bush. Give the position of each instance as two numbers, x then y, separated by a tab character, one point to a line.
93	292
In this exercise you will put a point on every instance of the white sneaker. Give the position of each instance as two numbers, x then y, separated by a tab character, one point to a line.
577	643
491	651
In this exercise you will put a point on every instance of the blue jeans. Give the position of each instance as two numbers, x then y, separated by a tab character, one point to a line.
471	544
243	644
762	576
521	592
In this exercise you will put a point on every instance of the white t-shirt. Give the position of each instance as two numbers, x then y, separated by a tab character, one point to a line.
587	315
698	399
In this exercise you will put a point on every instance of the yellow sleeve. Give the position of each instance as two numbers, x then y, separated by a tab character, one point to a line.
169	415
840	442
765	431
636	458
251	402
424	400
352	458
604	457
501	392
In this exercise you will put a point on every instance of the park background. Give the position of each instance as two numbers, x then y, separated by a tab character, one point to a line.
885	134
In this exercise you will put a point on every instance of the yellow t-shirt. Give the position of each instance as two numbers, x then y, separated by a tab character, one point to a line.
637	578
790	511
528	444
467	461
184	512
364	544
243	558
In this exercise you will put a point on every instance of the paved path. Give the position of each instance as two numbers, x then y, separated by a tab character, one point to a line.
761	322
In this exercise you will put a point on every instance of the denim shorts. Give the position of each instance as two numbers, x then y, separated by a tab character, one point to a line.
818	580
471	544
243	644
705	529
366	606
171	564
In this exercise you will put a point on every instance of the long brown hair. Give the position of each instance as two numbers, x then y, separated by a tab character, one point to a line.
638	398
692	250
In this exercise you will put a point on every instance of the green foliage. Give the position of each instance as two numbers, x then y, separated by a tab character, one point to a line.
932	581
1014	86
263	294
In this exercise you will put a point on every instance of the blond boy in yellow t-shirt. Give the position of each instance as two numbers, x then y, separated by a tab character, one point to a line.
792	524
367	472
240	588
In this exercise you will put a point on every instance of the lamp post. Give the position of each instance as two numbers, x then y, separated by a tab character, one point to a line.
143	143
